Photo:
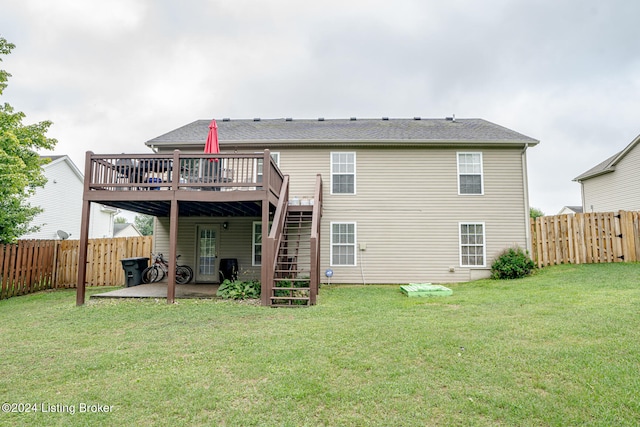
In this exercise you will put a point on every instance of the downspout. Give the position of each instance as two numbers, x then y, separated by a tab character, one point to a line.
527	215
584	204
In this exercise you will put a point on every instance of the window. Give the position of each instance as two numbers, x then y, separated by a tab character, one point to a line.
343	243
343	173
259	165
472	245
257	243
470	173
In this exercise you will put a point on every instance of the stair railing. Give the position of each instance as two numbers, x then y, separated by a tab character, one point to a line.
275	235
315	242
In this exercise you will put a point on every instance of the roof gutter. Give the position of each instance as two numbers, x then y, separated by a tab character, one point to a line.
261	143
593	175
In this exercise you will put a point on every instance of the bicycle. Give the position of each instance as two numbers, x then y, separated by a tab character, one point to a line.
160	268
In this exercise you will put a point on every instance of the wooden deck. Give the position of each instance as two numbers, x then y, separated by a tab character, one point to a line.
204	184
209	185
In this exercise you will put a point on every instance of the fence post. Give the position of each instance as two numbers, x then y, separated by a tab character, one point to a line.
636	235
617	238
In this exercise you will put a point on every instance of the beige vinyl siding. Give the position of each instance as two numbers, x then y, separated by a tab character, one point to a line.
234	242
617	190
407	210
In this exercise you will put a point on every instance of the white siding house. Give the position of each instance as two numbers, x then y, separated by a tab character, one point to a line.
61	199
126	230
570	210
613	184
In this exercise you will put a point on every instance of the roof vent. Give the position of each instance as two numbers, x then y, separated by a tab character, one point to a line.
353	119
321	119
417	118
226	119
385	118
288	119
256	119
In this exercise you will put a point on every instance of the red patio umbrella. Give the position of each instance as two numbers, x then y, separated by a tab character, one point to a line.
212	147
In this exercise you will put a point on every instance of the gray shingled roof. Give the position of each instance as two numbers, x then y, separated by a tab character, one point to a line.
598	169
608	165
577	209
118	227
344	130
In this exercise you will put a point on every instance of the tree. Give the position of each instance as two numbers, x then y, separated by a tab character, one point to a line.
144	224
20	165
120	220
535	213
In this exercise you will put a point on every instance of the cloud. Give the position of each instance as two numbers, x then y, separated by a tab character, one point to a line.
111	75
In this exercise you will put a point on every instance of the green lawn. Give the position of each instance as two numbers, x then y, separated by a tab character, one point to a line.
559	348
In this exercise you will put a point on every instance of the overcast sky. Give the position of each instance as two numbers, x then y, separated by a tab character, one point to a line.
114	74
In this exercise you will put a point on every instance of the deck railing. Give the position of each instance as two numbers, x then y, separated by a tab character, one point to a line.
182	171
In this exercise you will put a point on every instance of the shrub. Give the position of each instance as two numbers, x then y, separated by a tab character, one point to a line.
239	290
513	263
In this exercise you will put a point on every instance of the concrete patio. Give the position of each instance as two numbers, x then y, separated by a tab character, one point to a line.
159	290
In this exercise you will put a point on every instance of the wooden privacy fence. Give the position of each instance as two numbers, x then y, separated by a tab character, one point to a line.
597	237
34	265
27	267
103	260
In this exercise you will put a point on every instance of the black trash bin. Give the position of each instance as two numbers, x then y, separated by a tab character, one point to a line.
228	269
133	268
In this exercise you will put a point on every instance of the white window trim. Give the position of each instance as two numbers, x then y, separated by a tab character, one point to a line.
253	243
355	244
275	155
484	243
355	163
481	172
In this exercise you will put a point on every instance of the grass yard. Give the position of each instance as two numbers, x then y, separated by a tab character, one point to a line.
559	348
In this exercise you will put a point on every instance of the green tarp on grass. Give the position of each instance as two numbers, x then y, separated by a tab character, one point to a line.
425	290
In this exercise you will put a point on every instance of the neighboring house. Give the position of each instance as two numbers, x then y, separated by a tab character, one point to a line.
402	200
125	230
61	199
613	184
570	210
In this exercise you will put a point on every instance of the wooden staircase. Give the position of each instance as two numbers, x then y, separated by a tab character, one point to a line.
291	252
292	274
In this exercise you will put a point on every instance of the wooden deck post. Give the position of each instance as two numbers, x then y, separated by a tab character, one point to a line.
266	273
173	247
173	231
84	233
175	175
266	270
